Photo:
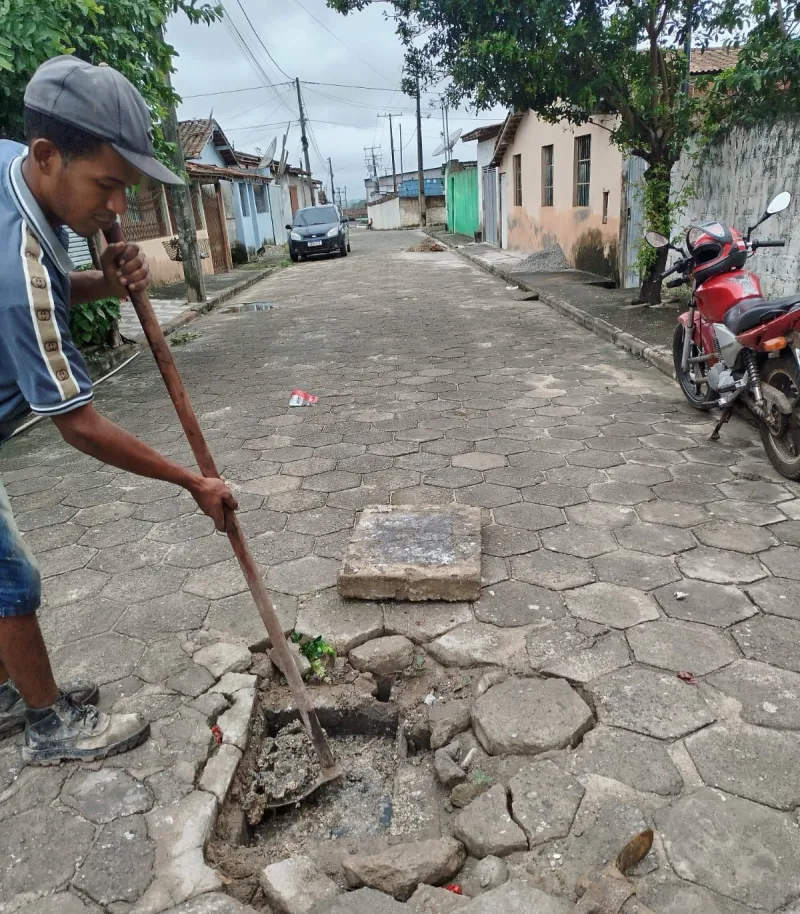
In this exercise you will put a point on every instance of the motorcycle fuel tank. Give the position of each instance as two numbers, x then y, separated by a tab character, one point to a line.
718	295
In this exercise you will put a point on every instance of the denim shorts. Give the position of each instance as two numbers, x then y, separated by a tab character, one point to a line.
20	580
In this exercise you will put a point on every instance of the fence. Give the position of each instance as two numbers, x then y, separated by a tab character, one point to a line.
145	217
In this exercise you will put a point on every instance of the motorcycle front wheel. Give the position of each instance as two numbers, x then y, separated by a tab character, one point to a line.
781	434
692	381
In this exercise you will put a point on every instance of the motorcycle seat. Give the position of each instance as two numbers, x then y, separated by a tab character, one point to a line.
754	311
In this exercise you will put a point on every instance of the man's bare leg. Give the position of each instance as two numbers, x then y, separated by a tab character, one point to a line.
23	658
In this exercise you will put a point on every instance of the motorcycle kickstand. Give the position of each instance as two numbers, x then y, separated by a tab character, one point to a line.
723	420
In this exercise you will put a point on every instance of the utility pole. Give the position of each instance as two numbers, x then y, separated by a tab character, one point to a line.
333	186
402	172
187	230
423	211
304	140
391	135
346	204
447	132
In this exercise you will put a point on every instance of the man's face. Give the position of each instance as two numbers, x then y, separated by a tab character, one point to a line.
86	193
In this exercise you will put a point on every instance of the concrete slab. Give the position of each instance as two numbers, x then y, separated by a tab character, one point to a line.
414	553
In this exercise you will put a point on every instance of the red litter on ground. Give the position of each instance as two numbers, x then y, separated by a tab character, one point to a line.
455	889
688	677
217	734
301	398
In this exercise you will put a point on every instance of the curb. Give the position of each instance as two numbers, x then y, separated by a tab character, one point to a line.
653	355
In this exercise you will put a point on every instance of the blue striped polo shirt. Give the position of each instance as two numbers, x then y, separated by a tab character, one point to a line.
40	366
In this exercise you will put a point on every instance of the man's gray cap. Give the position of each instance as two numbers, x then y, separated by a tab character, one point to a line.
102	102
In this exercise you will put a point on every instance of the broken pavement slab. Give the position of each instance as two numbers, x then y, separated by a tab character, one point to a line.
296	885
485	827
419	553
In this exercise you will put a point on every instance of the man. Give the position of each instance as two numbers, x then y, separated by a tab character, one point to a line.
89	138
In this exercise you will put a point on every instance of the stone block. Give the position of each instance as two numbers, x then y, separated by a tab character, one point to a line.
485	827
544	801
422	553
516	897
530	716
399	870
447	720
383	656
222	658
220	770
431	900
104	795
363	901
295	886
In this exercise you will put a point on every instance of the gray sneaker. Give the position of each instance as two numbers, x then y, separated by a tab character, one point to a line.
67	731
13	706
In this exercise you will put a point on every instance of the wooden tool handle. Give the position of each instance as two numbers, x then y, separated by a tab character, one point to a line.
188	419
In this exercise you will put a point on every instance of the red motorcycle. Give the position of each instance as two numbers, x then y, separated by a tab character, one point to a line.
732	346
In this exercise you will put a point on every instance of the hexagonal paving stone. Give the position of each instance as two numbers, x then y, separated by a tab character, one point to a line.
766	493
72	586
745	512
537	462
750	762
98	658
783	561
738	537
60	626
552	570
104	795
309	466
486	495
699	601
720	567
602	517
678	646
734	847
512	603
655	539
27	859
335	481
64	559
452	478
506	541
529	517
595	459
544	801
690	493
130	556
476	644
588	661
422	623
320	522
609	604
530	716
575	476
770	639
619	493
787	532
672	513
199	553
549	643
635	569
768	695
648	702
237	617
179	612
639	473
639	761
555	495
777	597
479	460
182	530
302	576
583	542
346	624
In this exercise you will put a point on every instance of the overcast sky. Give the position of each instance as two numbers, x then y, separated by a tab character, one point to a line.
358	50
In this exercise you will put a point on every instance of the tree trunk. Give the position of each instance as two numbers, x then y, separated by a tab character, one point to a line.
657	218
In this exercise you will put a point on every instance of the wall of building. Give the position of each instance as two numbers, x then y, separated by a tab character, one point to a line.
588	242
403	212
386	215
733	183
163	270
462	200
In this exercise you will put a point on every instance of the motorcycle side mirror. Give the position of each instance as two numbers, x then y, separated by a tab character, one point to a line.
779	204
656	241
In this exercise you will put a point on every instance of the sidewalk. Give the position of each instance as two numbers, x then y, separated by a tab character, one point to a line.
583	297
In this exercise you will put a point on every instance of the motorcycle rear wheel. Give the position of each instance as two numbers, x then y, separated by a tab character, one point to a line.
782	440
699	395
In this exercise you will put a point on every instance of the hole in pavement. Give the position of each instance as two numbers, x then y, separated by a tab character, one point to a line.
384	690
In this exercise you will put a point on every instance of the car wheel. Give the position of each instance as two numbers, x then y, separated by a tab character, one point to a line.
343	250
349	249
295	257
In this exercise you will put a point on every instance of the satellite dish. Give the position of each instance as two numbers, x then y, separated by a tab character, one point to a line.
269	154
454	138
440	150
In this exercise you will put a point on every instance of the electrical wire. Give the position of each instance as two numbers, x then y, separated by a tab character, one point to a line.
258	38
322	24
305	82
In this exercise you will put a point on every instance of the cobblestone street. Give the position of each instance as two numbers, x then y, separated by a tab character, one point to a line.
621	548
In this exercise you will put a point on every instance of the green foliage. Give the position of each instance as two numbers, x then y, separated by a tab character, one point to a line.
127	34
93	324
319	653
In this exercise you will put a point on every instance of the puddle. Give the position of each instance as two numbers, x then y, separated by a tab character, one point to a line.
251	306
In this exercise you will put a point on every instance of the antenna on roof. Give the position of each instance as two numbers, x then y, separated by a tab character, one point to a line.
447	147
268	155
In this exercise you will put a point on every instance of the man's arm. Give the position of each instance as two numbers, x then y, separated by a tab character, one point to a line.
125	270
88	431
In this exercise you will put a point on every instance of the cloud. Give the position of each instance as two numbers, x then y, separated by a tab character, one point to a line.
361	50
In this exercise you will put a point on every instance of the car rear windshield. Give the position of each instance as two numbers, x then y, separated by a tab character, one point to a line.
317	215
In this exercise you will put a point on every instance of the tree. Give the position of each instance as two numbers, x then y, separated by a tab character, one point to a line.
570	61
123	33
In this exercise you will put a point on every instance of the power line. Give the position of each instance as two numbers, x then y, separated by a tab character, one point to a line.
305	82
321	23
258	38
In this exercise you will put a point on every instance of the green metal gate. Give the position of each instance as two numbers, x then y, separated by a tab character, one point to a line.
462	202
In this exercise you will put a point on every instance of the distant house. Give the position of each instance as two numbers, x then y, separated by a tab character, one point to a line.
376	188
545	185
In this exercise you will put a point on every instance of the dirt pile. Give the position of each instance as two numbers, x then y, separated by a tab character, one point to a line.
427	246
